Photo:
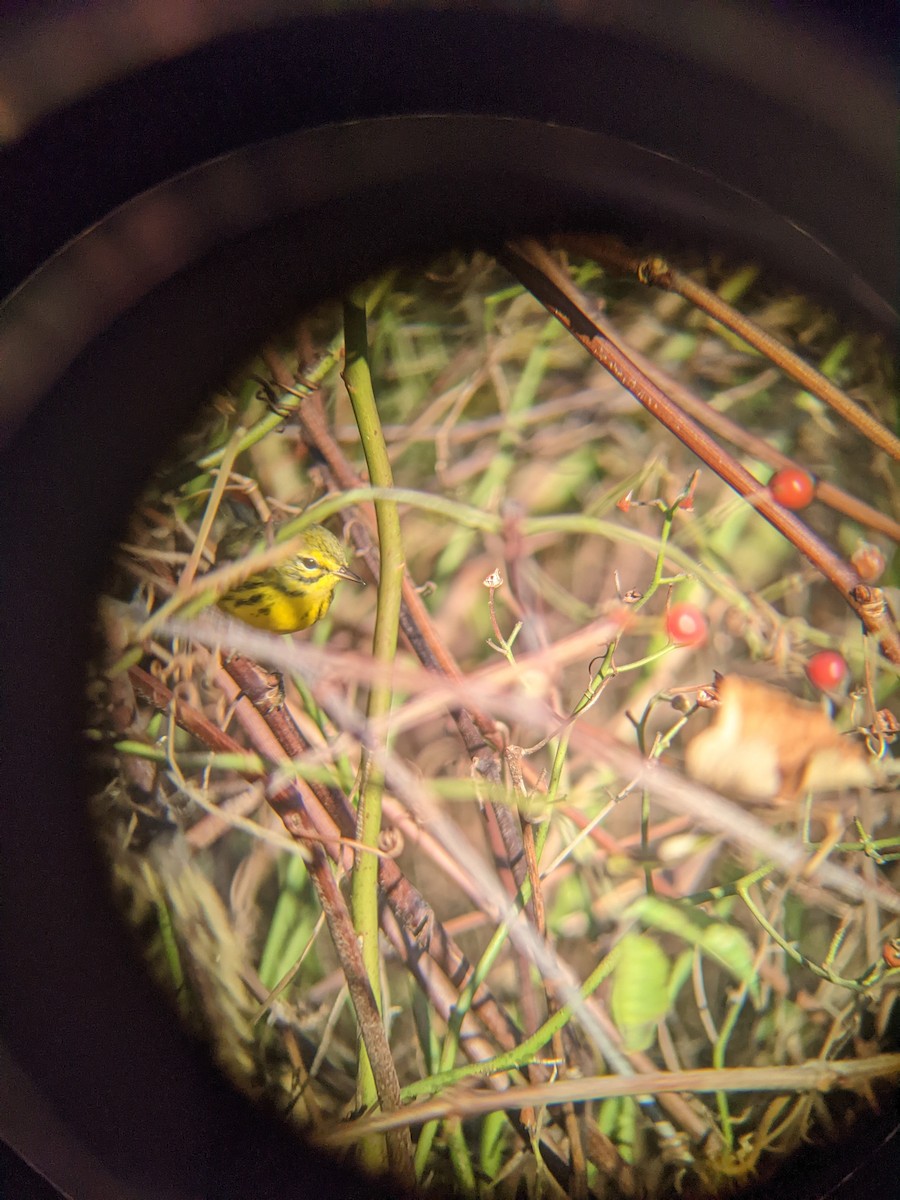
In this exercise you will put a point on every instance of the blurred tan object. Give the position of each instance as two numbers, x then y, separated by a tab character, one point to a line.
764	744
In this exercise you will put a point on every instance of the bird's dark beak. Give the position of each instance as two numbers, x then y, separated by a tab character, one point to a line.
346	573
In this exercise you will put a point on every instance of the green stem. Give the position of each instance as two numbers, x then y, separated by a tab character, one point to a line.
719	1050
466	998
460	1158
562	747
289	917
526	1051
790	949
607	668
364	886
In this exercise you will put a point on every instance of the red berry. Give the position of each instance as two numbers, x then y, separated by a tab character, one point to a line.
827	670
686	625
792	487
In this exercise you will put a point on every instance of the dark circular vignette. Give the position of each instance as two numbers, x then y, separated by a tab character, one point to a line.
75	165
74	467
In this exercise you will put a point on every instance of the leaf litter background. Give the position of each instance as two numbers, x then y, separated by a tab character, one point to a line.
488	402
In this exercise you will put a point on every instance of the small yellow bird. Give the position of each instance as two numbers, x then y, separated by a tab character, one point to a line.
294	594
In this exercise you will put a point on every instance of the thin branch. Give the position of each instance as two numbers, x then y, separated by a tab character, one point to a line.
656	271
289	806
814	1076
535	268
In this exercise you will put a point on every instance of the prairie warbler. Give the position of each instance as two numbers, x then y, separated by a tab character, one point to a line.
294	594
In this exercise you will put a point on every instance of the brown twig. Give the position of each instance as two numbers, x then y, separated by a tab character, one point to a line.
751	443
815	1075
288	803
415	916
533	266
656	271
418	929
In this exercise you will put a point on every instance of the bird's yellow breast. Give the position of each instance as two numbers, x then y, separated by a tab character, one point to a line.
267	605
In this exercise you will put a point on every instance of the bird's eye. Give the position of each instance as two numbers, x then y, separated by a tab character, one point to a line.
309	563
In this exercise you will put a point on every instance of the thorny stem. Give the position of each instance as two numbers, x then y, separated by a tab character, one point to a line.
291	808
535	268
656	271
416	919
288	401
